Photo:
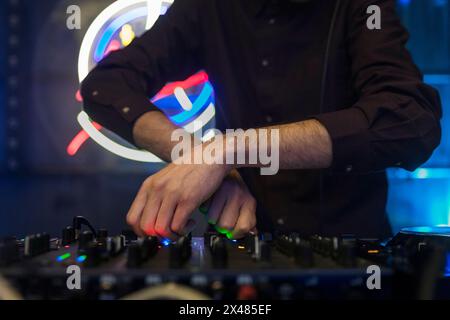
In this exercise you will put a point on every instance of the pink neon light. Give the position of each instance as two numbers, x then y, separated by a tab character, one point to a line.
113	46
192	81
78	96
166	91
78	141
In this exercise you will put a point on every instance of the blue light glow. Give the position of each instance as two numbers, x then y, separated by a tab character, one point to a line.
165	242
421	173
81	259
196	107
404	3
437	78
447	266
115	26
63	257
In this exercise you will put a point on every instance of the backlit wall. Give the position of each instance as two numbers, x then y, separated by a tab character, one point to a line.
48	160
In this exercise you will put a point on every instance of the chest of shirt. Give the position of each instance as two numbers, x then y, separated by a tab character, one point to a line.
273	63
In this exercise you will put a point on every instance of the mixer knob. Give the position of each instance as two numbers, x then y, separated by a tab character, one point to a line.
208	238
129	235
149	247
68	235
265	253
252	244
85	238
347	255
102	234
119	243
9	251
93	254
303	254
30	246
219	252
175	257
180	252
44	243
134	258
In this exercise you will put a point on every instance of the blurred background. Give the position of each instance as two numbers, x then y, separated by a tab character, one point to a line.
50	170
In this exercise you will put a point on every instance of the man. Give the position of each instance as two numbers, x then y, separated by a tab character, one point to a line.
347	100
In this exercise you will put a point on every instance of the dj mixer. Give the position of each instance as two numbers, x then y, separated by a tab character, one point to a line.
279	266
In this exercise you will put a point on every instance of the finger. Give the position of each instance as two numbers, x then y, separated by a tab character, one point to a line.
149	215
135	211
246	222
204	207
217	206
180	222
190	225
164	218
229	216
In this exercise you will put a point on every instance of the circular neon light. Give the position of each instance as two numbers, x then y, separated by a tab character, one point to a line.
94	48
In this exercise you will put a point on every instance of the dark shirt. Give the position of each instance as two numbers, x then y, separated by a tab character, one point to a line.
265	60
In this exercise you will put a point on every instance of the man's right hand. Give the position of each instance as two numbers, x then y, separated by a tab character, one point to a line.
233	208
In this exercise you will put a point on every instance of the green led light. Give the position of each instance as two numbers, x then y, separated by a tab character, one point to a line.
227	233
63	257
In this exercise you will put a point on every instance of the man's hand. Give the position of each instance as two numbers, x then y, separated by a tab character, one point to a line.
167	199
233	208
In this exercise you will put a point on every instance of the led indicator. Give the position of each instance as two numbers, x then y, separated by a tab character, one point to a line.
63	257
225	232
81	258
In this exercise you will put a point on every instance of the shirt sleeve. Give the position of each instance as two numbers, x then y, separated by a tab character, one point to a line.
395	121
118	90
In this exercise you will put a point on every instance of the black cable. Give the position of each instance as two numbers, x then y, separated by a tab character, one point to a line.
78	221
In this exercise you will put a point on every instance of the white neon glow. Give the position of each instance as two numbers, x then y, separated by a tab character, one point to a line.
112	146
86	46
183	98
204	118
154	10
135	154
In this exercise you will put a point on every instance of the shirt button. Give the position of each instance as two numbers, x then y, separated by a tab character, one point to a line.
95	93
269	119
272	21
349	168
264	62
125	109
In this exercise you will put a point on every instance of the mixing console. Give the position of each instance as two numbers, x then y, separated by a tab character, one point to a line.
285	266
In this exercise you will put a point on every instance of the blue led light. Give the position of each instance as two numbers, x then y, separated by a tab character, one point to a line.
63	257
165	242
81	258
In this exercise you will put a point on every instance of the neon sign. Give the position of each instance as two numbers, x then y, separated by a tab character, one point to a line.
183	102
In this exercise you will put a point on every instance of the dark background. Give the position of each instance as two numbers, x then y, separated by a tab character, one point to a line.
42	187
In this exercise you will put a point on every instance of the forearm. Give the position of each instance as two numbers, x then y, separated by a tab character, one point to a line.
299	145
152	132
304	145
